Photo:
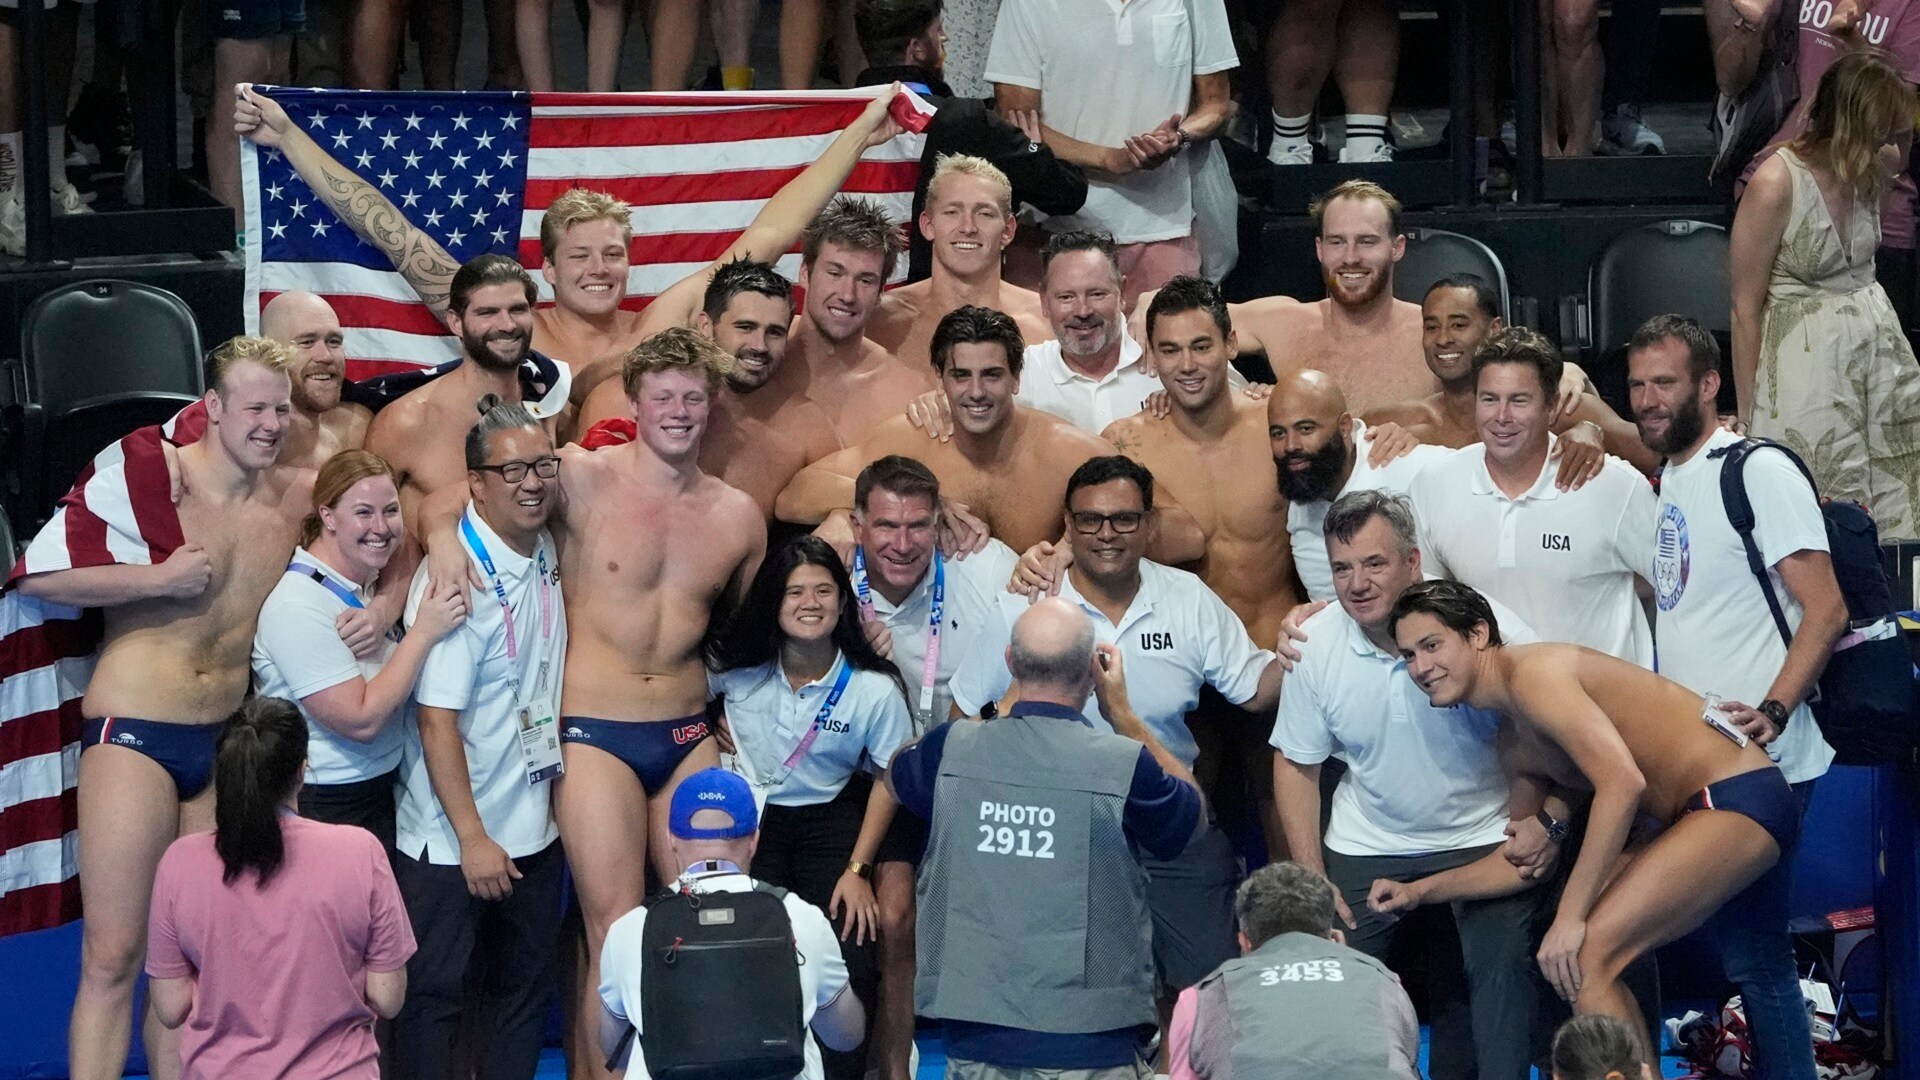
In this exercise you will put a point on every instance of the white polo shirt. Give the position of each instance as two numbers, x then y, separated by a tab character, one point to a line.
769	718
1420	779
1175	637
1716	634
297	653
823	971
974	587
1565	560
1049	384
468	672
1110	69
1306	521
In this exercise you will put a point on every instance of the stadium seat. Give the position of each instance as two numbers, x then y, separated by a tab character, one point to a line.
1667	267
1433	254
97	360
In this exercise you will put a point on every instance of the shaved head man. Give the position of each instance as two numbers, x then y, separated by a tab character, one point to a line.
321	425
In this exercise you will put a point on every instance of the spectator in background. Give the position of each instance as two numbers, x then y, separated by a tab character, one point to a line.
805	25
676	34
1358	42
1819	358
63	26
1135	90
1598	1047
276	940
1571	70
1297	1001
377	32
1633	33
606	23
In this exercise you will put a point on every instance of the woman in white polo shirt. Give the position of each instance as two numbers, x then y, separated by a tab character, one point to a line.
809	705
353	707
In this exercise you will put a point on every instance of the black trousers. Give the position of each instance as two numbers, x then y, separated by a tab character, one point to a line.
517	936
366	803
804	850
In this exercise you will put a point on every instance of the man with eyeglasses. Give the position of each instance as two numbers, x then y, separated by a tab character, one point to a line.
1175	636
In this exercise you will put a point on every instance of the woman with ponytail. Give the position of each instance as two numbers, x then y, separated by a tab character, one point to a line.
353	707
1598	1047
275	940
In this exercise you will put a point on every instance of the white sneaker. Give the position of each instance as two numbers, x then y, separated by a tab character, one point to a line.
1290	153
1383	152
68	200
13	223
1627	133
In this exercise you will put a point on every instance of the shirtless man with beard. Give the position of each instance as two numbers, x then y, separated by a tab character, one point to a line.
969	220
175	664
1006	463
321	425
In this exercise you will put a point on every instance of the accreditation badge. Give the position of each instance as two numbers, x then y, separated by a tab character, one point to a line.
539	742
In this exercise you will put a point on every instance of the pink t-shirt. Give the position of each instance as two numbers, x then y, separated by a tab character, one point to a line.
280	972
1889	25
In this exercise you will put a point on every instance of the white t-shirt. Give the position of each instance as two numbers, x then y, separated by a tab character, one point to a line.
1420	779
769	718
468	672
973	590
1175	637
823	972
1305	521
297	653
1565	560
1716	634
1110	69
1049	384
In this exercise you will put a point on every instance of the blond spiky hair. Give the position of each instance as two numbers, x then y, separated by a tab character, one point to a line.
233	352
576	207
968	165
857	225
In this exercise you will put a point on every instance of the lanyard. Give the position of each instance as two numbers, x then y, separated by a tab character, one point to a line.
820	721
479	551
346	595
936	614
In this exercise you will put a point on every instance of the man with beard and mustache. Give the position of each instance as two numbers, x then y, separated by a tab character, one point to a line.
1715	630
321	425
1314	438
1459	313
757	436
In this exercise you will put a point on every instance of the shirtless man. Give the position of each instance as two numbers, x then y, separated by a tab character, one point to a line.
848	254
585	238
1583	721
1459	313
969	221
321	425
179	638
1006	463
757	436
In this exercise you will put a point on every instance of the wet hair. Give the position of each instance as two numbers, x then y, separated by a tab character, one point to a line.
1484	296
496	416
857	225
753	636
1189	293
898	475
1061	243
577	206
483	270
1283	898
231	353
337	476
1524	346
1356	189
1351	512
1096	471
743	276
1703	352
975	325
968	165
1459	608
885	27
256	766
676	348
1596	1047
1860	102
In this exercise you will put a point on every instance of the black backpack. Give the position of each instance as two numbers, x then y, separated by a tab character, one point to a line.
1865	701
720	987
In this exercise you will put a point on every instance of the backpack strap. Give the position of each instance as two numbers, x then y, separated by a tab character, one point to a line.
1733	495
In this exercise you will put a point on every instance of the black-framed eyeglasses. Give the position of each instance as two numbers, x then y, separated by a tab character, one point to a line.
546	468
1125	521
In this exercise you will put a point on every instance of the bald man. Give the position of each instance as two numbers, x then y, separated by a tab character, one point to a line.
321	425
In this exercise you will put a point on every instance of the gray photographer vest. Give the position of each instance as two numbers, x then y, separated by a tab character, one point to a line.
1299	1005
1033	908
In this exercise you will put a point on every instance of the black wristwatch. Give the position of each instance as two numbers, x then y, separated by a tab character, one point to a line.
1556	830
1775	712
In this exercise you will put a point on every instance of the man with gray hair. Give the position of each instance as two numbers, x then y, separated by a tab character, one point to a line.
1039	805
1297	1001
1423	792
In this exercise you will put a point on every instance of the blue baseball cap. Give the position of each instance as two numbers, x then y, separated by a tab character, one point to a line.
713	789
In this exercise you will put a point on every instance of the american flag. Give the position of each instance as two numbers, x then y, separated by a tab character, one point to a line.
476	170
